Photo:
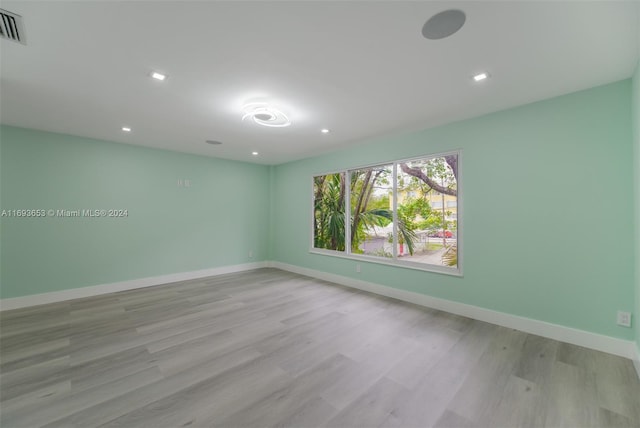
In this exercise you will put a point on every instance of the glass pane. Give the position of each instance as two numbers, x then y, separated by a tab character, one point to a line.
328	213
371	211
428	210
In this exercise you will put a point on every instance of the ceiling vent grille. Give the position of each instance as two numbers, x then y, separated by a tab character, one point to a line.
11	27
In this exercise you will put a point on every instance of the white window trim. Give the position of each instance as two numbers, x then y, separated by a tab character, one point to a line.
395	261
347	213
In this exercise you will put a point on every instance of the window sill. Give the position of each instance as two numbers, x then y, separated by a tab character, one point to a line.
390	262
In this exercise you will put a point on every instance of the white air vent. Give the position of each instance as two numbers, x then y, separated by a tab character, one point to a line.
11	27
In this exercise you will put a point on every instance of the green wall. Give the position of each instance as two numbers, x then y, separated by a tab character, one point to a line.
548	210
169	229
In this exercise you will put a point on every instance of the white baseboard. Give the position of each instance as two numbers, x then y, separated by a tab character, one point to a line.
95	290
599	342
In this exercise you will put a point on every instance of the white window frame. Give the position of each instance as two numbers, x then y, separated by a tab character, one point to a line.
395	261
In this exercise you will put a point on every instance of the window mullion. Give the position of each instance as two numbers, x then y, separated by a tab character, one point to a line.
347	213
394	194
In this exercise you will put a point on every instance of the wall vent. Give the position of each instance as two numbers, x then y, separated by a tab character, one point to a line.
11	27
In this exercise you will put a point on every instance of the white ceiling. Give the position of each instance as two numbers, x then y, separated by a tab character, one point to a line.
361	69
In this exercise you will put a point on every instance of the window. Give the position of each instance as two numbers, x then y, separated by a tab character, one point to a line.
371	215
402	213
328	211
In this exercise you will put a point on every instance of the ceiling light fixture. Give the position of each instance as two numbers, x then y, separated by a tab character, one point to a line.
158	76
254	153
324	131
126	129
265	115
480	77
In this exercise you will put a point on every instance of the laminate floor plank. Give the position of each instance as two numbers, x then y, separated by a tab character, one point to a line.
327	342
144	395
616	386
219	314
193	353
357	382
269	348
37	376
373	408
294	398
29	325
610	419
69	403
428	401
210	400
421	360
19	357
102	347
572	398
621	397
485	385
517	405
536	360
36	398
33	338
100	371
451	419
313	413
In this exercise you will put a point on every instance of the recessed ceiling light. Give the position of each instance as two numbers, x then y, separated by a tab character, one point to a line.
443	24
158	76
324	131
480	77
126	129
265	115
254	153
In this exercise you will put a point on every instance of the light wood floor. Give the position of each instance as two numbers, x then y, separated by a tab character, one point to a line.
270	348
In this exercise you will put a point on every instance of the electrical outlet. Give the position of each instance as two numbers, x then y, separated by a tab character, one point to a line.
624	319
250	254
358	267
